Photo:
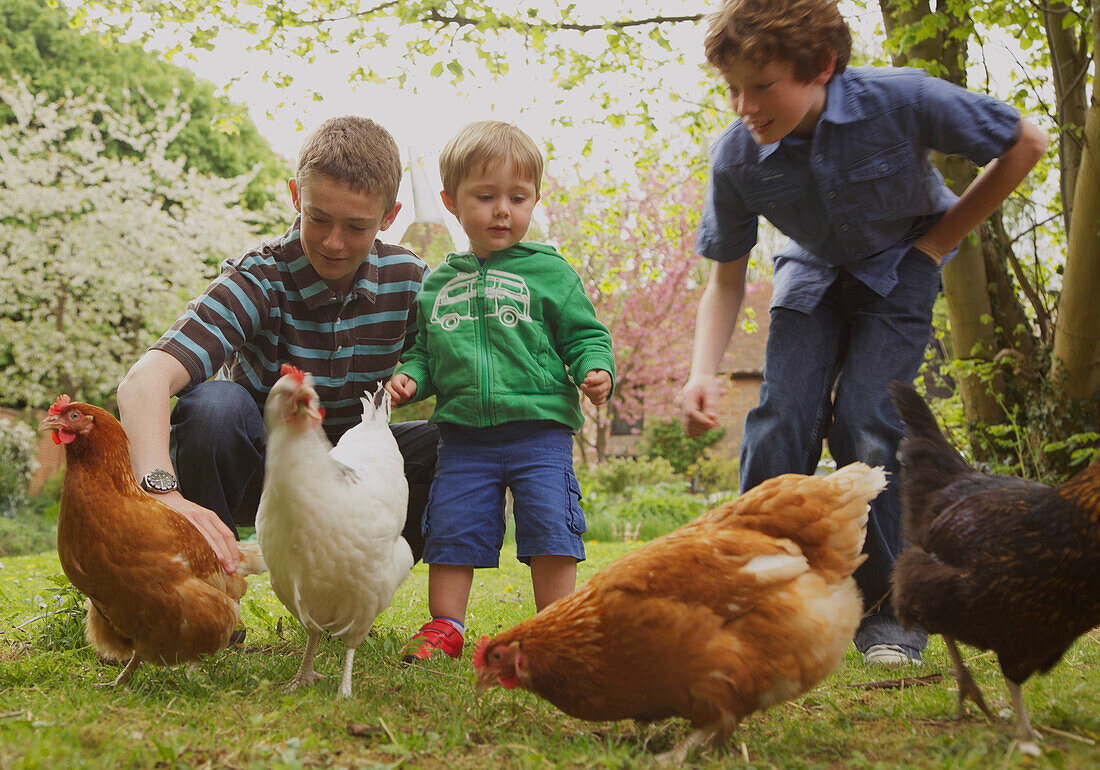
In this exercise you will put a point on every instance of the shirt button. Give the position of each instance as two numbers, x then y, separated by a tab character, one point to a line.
882	167
818	158
844	228
831	195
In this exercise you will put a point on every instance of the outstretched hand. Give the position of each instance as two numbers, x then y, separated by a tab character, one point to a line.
697	404
597	386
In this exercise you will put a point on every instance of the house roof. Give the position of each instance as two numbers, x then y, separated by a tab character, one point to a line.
745	353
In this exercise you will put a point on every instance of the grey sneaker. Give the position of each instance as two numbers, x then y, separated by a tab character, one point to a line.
891	656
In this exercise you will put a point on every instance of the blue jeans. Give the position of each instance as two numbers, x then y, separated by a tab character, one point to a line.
825	377
218	444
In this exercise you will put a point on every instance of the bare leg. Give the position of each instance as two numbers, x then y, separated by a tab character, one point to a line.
306	674
552	577
967	687
1026	737
449	590
345	681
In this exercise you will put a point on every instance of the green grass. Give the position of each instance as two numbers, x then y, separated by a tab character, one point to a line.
234	711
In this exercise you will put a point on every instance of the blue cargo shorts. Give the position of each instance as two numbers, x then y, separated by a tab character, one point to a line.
464	519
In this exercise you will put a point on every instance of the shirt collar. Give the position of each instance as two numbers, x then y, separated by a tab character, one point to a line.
841	106
315	292
841	101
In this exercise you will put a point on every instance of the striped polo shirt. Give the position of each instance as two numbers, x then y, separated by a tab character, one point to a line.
270	307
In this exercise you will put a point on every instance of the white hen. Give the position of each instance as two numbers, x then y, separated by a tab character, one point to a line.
330	518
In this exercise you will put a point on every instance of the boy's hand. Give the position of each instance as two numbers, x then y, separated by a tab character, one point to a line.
401	388
597	386
697	404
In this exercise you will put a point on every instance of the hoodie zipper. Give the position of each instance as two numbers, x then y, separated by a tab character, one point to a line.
486	378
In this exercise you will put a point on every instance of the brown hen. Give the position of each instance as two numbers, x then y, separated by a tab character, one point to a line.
747	606
998	562
156	591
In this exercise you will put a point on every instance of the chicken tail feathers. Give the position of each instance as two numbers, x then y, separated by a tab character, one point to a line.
928	462
252	560
826	516
923	437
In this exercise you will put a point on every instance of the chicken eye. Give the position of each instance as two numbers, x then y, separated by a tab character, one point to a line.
74	415
496	656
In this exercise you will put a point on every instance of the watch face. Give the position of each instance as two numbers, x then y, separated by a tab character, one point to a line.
159	481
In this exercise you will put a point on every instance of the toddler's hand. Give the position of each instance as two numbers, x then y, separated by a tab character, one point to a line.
597	386
401	388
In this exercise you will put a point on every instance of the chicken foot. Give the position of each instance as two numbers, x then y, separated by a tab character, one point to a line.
713	735
306	674
1026	737
127	672
968	688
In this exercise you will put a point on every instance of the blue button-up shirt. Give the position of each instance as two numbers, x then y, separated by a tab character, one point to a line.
860	191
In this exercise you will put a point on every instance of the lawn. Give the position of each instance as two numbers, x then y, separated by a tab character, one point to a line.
233	711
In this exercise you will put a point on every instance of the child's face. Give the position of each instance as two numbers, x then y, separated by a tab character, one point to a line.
494	207
339	226
772	103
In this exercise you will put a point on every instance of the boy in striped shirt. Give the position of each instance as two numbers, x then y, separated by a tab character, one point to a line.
327	297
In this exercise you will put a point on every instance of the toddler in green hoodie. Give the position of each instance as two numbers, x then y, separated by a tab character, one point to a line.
506	337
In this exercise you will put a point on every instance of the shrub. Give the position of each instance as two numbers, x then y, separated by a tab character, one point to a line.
18	461
618	474
643	512
27	534
667	439
713	473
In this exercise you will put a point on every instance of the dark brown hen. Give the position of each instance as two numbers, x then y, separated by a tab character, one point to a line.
998	562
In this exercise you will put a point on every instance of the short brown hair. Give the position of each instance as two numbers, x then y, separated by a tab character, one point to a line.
355	151
803	32
481	144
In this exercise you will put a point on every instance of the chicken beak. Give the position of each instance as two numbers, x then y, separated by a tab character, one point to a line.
485	680
50	423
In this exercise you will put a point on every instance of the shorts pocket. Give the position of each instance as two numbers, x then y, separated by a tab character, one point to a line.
576	522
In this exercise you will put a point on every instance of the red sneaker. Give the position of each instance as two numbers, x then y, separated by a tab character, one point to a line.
436	635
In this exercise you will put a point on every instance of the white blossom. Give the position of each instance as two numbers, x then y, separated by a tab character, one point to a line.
99	253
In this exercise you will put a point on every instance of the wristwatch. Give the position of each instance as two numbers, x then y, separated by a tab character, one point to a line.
159	482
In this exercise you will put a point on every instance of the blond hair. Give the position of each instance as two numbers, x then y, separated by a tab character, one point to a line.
486	143
355	151
803	32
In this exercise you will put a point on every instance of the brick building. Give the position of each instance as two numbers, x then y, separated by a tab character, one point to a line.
742	369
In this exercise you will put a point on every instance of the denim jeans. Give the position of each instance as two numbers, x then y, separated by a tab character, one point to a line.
218	443
825	378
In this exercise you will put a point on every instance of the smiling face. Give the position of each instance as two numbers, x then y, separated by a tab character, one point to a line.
494	206
772	102
339	226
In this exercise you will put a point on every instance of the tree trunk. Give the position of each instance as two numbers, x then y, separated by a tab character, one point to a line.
964	277
1069	65
1077	333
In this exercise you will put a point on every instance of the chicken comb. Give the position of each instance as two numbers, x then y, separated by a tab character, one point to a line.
479	652
299	375
59	405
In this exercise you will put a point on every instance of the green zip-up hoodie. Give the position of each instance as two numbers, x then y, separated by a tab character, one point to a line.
506	340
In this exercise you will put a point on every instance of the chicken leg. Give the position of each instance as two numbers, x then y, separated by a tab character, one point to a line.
714	734
1026	737
968	688
127	672
306	674
345	680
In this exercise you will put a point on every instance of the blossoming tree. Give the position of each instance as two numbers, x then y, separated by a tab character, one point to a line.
99	250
